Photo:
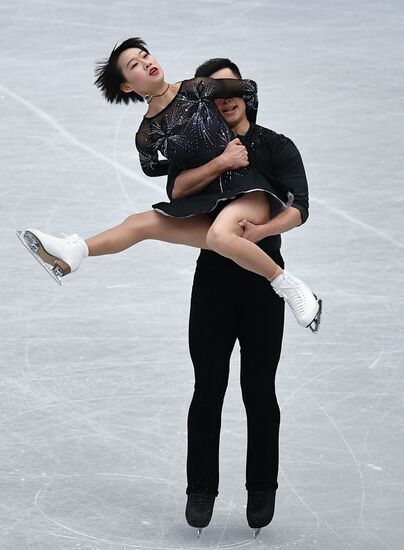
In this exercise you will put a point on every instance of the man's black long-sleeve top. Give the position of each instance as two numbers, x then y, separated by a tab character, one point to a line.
274	155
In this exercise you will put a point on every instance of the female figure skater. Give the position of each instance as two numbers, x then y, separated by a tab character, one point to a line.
183	123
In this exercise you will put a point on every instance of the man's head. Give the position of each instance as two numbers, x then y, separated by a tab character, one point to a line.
130	73
233	110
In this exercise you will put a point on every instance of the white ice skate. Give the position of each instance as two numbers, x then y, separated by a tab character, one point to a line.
305	305
58	256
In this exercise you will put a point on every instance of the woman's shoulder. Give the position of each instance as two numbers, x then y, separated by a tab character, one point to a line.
142	134
143	126
153	112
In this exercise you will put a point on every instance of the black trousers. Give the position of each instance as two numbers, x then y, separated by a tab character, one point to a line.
230	303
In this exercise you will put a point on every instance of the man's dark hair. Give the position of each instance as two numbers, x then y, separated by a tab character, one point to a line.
110	77
217	64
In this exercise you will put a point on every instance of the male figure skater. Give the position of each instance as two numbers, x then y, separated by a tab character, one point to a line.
230	303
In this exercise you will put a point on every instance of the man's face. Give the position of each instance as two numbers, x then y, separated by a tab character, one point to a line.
232	110
141	71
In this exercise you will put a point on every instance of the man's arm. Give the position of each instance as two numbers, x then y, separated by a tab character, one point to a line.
288	167
191	182
285	221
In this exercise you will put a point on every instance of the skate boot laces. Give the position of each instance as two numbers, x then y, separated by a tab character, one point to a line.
304	304
294	295
71	240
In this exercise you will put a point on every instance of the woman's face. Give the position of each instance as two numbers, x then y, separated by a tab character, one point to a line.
141	72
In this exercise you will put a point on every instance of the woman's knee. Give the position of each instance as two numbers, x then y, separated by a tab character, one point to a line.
212	237
144	223
133	224
220	236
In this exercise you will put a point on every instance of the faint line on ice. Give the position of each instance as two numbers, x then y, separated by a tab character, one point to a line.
123	544
388	307
297	390
351	452
316	516
65	403
383	542
69	137
338	535
362	224
46	486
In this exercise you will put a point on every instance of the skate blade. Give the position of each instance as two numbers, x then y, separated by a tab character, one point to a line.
314	325
33	246
199	532
257	532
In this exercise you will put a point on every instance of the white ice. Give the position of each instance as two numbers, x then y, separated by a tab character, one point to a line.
95	376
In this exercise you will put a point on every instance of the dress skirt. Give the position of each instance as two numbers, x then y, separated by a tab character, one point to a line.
226	188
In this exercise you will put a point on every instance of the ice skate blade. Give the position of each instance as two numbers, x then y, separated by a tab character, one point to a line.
33	246
199	531
315	324
257	532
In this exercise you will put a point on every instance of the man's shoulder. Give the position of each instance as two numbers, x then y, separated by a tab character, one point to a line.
277	145
271	137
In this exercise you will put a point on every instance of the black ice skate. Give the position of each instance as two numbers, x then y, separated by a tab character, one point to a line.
199	509
260	509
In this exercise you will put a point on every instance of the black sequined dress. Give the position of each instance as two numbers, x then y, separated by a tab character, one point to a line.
190	132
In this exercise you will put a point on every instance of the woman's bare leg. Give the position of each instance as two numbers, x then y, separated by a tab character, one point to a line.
190	231
225	235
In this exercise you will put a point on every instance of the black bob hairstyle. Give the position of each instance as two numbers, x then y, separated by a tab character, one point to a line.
109	77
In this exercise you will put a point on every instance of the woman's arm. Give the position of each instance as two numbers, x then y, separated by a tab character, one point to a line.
223	88
148	156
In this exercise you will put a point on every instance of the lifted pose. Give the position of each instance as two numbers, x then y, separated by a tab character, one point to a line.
183	123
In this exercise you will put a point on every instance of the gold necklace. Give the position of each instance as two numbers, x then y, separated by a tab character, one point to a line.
149	98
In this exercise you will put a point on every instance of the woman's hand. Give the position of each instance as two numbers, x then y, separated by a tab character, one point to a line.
252	232
235	155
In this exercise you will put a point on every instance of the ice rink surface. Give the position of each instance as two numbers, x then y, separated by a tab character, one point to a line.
96	378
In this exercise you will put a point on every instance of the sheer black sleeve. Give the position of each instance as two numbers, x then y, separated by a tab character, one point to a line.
173	173
223	88
148	155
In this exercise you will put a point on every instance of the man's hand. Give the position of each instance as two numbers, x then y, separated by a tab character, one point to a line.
251	232
193	181
235	155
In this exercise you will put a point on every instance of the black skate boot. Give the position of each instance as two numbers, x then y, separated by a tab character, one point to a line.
198	512
260	509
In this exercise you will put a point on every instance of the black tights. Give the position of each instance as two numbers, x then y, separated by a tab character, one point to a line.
230	303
